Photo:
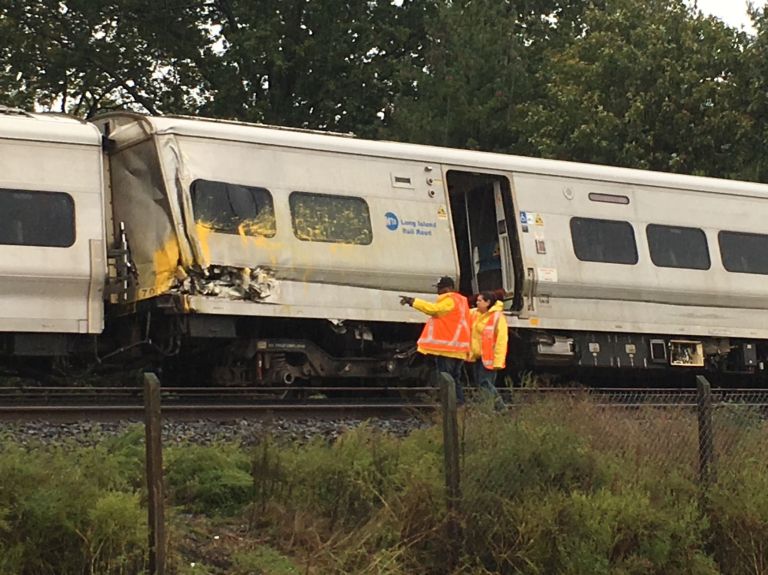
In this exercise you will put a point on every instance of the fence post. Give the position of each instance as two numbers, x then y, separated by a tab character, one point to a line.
451	465
706	432
154	461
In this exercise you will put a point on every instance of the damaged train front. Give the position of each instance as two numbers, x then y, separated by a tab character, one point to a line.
244	256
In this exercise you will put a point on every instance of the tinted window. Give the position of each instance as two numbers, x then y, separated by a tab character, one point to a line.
324	218
744	253
606	241
674	247
233	209
45	219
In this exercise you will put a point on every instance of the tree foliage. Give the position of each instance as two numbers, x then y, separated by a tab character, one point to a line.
79	56
329	65
651	84
481	65
647	85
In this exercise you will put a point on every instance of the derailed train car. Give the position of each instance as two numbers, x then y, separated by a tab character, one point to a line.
257	255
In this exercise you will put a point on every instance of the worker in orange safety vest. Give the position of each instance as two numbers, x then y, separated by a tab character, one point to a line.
489	343
446	335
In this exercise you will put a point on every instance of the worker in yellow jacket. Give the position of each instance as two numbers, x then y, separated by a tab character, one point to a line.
446	334
489	343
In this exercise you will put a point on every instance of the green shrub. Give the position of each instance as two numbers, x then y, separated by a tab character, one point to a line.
538	498
386	493
559	487
737	508
54	507
601	532
127	454
504	457
345	481
117	528
209	479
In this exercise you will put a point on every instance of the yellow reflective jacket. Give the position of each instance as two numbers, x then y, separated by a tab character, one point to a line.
479	321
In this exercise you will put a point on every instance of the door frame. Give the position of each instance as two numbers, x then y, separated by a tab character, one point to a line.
506	228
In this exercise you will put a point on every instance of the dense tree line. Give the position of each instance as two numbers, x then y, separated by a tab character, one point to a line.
652	84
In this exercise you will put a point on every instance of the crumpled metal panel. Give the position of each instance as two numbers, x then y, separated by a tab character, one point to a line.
153	202
140	201
231	283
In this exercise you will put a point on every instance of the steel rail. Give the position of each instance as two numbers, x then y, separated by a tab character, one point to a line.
115	402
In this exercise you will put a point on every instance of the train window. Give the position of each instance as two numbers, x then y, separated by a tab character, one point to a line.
326	218
744	253
676	247
233	208
43	219
607	241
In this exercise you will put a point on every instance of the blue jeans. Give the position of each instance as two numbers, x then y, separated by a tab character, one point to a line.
452	366
485	379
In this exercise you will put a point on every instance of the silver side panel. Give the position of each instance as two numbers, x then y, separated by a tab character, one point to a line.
573	294
644	317
302	300
409	257
54	289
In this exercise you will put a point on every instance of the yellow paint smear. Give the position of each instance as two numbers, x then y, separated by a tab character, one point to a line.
249	236
203	232
165	262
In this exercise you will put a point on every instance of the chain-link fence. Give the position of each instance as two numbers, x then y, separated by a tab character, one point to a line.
630	480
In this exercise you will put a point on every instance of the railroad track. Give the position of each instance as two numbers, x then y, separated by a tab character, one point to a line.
107	403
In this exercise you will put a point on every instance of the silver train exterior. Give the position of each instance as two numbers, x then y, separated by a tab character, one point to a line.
257	254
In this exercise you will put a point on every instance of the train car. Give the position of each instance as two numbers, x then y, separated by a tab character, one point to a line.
600	267
52	234
251	254
643	270
274	254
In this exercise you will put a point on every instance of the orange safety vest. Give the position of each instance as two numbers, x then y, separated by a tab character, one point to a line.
488	343
449	332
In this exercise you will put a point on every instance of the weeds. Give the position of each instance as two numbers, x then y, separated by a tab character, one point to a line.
213	480
62	512
560	487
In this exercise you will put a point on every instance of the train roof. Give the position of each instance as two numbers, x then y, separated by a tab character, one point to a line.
57	128
136	127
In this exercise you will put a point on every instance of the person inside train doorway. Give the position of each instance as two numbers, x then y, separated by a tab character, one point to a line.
446	335
489	344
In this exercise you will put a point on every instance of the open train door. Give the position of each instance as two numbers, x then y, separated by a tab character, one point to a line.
486	235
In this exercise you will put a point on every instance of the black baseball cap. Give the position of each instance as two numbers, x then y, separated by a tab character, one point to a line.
445	281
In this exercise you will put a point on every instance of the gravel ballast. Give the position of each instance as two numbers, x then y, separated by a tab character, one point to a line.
206	431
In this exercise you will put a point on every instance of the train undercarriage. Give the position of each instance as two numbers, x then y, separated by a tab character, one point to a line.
270	352
626	358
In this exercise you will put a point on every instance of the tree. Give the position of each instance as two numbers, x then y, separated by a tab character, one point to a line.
328	65
480	66
79	56
752	89
649	84
306	63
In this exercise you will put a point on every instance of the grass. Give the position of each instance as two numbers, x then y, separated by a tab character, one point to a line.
560	486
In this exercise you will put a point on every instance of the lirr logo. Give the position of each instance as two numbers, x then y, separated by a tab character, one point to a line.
392	221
